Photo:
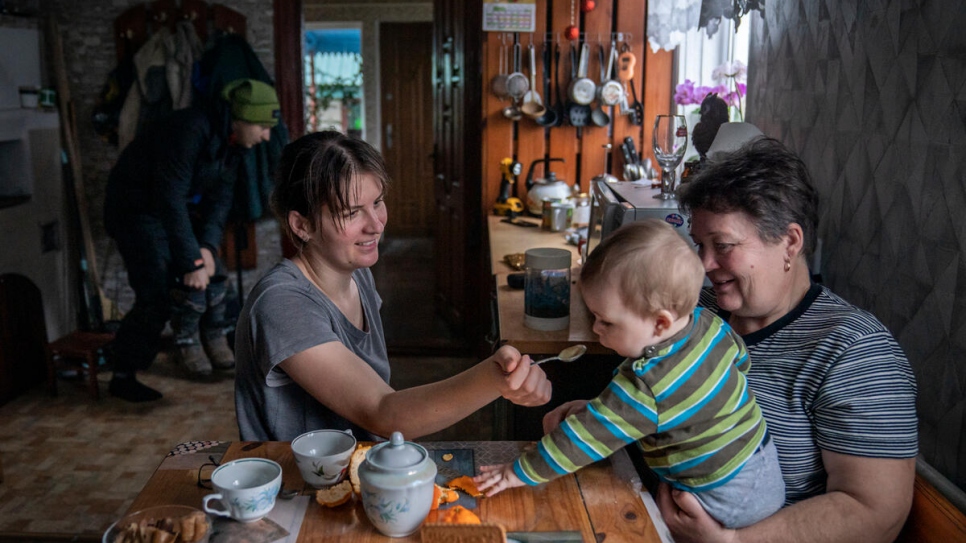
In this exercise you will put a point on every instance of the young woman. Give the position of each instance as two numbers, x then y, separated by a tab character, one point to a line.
309	345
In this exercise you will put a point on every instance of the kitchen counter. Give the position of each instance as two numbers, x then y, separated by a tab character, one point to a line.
508	239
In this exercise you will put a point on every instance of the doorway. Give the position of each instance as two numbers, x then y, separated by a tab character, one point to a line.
405	273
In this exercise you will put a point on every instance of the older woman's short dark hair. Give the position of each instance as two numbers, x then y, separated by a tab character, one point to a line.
763	179
316	172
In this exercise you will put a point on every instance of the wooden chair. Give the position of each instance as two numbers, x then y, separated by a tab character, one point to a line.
77	350
933	519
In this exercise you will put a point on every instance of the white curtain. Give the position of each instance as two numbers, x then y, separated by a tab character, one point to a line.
669	20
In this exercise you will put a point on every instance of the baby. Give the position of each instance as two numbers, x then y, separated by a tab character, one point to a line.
681	393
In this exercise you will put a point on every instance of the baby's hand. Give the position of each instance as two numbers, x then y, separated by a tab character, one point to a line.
493	479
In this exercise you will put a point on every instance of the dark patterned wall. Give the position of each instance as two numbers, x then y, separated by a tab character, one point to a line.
872	94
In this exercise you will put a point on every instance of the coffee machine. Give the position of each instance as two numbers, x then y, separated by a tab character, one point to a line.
615	203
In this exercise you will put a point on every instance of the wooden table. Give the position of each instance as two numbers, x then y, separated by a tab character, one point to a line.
600	502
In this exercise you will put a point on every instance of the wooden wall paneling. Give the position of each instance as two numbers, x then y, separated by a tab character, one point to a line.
652	81
196	11
531	137
631	22
230	21
563	139
597	30
498	130
164	13
133	27
130	31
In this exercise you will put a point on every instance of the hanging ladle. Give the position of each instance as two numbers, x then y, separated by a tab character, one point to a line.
597	115
567	355
532	104
517	86
549	117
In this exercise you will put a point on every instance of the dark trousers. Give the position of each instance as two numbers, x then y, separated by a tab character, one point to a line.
159	296
194	311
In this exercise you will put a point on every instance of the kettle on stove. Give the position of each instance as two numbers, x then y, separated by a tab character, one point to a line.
547	187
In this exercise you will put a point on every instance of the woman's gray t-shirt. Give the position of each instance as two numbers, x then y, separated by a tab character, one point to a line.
286	314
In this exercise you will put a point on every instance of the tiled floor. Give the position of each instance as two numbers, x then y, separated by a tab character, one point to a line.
72	465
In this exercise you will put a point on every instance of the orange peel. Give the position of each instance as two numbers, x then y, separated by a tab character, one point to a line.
466	484
442	496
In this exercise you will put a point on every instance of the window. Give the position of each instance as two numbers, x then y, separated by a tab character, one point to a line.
333	79
697	58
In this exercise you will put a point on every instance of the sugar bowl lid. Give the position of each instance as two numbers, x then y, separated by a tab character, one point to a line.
397	453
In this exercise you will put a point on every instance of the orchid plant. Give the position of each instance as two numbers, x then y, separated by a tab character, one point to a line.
730	79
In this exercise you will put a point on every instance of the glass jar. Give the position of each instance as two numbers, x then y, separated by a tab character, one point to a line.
546	288
581	210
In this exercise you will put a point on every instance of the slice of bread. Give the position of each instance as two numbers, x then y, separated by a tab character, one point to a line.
334	496
354	462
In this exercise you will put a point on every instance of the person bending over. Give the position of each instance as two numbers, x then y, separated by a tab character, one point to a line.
166	204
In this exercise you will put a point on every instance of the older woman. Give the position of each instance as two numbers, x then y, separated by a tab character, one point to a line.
835	387
309	344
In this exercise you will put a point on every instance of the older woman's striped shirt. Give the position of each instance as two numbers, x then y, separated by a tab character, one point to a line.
829	376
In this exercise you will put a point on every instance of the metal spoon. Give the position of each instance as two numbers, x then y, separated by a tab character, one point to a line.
288	493
532	103
567	355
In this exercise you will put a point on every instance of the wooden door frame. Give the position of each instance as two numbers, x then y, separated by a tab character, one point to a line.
287	15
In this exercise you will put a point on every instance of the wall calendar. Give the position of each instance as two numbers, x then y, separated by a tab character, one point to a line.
509	16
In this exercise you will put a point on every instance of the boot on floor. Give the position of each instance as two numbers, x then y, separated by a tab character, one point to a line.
191	357
220	355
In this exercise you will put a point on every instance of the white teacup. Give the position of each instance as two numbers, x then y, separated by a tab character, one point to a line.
245	488
323	455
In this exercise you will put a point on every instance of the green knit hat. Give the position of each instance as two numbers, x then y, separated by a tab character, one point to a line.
252	101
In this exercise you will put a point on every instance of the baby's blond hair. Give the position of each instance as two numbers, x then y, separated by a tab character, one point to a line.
650	264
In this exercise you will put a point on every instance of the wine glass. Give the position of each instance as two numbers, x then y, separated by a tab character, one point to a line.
670	143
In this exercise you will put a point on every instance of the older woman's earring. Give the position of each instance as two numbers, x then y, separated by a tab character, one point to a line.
788	264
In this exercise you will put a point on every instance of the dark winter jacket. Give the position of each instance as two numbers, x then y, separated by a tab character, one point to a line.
180	170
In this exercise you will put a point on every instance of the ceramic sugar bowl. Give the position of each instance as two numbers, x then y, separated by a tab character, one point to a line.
397	485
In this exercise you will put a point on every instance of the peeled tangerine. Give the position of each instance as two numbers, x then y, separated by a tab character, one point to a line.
334	496
442	496
458	515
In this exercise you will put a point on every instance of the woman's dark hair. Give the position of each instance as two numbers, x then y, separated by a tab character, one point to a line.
316	171
763	179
